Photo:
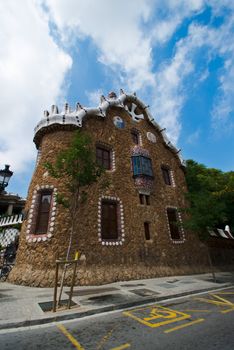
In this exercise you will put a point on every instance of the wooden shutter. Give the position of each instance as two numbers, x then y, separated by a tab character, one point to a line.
136	165
109	220
172	218
141	197
146	166
147	199
166	175
147	231
43	212
103	157
135	137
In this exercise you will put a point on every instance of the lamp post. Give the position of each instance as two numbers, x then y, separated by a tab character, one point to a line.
5	175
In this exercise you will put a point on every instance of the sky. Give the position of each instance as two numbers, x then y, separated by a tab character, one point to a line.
177	55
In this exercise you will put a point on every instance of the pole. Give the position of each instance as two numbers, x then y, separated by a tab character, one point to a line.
55	287
72	284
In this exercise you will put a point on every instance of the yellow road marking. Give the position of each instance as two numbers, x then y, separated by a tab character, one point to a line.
184	325
104	339
222	299
70	337
124	346
226	293
196	310
218	302
157	316
226	311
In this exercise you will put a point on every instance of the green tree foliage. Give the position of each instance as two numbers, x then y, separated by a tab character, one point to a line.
211	197
76	166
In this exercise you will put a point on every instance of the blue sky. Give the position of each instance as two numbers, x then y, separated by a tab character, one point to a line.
177	55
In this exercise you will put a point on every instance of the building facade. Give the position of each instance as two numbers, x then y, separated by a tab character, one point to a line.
128	230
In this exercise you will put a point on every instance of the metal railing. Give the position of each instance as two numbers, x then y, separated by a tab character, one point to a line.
9	220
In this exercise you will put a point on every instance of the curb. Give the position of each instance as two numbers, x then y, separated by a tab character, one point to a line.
75	315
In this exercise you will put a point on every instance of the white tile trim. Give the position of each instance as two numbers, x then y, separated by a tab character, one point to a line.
182	233
121	238
30	236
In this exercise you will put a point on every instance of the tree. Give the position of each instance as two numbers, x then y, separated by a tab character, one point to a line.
77	167
211	197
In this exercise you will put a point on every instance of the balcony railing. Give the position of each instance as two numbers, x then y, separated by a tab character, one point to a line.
9	220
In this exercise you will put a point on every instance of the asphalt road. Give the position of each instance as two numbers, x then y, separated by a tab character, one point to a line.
204	321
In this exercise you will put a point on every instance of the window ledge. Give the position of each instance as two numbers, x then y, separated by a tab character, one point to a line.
149	241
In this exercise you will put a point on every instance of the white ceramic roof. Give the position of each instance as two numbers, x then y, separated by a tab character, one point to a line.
75	117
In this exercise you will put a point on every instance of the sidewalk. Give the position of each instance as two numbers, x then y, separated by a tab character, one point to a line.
23	306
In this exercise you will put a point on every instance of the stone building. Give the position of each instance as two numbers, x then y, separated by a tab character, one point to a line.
129	230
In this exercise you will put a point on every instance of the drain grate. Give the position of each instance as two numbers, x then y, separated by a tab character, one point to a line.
48	305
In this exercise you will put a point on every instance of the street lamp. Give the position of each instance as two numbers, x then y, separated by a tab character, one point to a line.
5	175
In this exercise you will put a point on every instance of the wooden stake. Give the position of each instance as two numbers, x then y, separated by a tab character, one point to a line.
72	284
55	287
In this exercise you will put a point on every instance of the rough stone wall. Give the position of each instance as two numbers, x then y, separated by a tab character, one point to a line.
135	258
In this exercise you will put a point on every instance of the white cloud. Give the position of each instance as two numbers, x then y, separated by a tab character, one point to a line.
193	138
32	69
33	66
94	97
171	91
115	28
125	33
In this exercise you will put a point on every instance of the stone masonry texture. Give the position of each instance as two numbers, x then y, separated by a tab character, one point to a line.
137	257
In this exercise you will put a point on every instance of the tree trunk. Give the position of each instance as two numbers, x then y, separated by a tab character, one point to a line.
73	215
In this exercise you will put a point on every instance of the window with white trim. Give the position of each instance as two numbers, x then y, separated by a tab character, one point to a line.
173	220
43	214
166	173
109	220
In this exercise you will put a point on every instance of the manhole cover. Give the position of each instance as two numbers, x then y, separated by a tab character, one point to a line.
48	305
144	292
92	291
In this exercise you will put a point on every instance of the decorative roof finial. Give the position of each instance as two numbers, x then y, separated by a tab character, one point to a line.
112	94
66	108
54	109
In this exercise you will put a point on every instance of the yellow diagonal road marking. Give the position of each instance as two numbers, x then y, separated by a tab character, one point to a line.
222	299
226	311
104	339
70	337
184	325
121	347
217	300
